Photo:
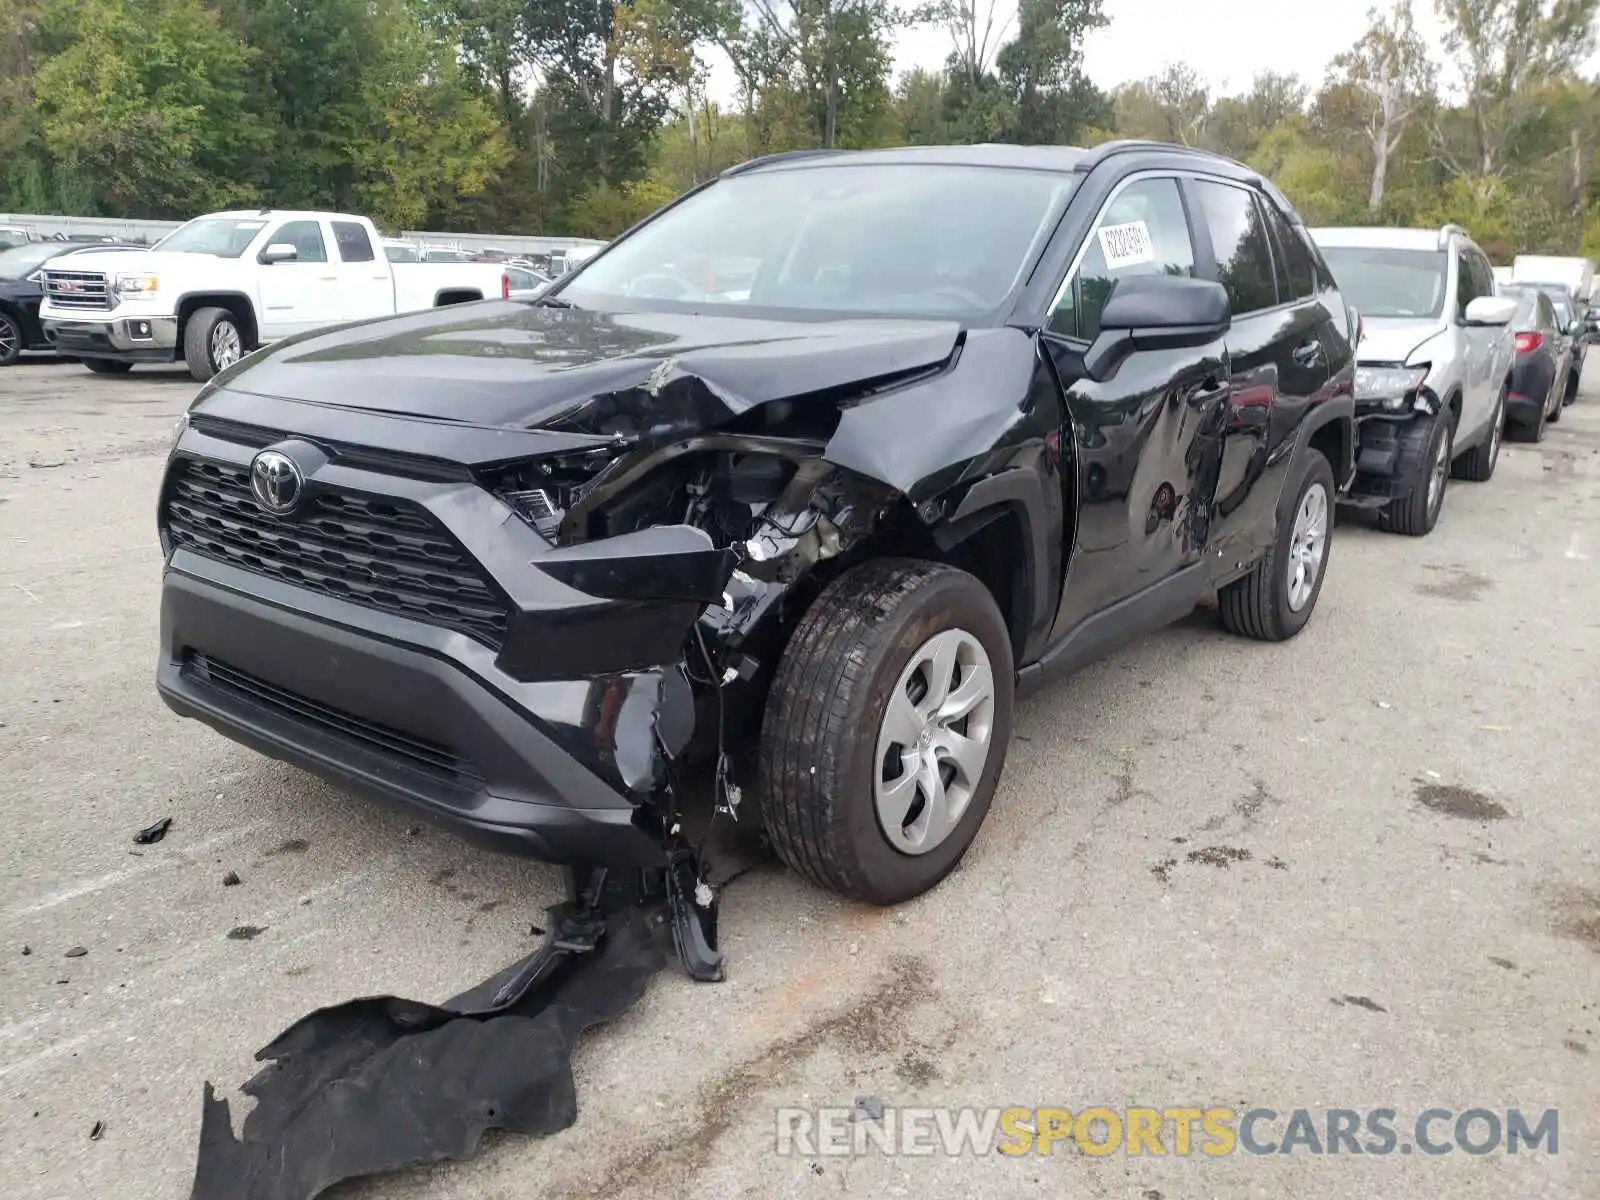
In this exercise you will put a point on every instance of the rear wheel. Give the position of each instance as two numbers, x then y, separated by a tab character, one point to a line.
1274	601
107	366
1571	395
10	339
887	729
1426	449
212	342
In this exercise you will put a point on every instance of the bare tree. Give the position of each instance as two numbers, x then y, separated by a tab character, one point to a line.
1390	68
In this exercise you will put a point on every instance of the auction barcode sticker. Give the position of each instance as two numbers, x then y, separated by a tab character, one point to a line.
1125	245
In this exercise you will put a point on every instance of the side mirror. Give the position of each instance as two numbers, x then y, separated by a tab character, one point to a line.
1490	310
1156	312
278	252
1576	329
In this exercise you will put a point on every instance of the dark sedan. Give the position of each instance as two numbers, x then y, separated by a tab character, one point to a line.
1542	366
21	291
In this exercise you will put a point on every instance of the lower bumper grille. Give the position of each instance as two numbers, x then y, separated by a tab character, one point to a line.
389	555
419	754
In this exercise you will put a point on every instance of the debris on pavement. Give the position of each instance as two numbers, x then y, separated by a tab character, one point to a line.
381	1083
231	879
98	1129
27	950
376	1084
868	1108
153	833
244	933
77	952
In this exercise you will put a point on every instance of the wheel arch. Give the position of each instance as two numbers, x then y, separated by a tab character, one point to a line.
240	305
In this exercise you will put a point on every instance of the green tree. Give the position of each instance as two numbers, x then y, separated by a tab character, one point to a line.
145	101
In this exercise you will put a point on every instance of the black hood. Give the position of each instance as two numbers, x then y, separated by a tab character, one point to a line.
636	375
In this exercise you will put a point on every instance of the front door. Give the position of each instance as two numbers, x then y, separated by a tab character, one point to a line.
1479	387
299	294
1146	441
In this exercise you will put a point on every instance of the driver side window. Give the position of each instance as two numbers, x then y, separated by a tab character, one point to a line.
305	237
1145	231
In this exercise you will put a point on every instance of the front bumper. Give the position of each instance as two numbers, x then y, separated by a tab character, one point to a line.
126	339
514	745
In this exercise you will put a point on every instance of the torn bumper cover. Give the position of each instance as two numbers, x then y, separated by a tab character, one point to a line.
429	650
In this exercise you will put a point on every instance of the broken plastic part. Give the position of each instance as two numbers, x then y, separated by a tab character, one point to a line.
153	833
381	1083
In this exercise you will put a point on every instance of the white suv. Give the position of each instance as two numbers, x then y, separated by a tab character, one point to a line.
1432	368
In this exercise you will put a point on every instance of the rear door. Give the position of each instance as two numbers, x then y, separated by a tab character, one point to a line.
365	284
1146	439
1278	354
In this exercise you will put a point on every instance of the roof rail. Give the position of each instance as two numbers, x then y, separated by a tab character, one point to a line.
1095	155
783	156
1448	228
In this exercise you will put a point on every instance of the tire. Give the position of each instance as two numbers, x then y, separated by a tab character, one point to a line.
1571	394
107	366
1535	432
1554	415
212	341
10	339
826	740
1266	604
1477	465
1424	440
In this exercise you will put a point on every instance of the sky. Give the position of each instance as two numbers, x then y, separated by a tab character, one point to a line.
1225	41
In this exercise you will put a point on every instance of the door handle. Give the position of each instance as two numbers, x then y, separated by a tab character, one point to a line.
1207	394
1308	352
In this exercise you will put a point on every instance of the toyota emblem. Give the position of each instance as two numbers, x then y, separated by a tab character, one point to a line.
276	482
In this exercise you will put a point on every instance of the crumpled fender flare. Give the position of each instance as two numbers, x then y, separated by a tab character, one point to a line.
1018	490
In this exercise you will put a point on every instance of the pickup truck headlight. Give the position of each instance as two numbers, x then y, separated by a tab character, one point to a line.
1388	387
136	285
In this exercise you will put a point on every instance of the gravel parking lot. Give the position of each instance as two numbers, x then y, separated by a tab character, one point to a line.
1361	869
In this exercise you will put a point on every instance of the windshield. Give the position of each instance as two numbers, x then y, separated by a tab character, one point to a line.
1382	282
225	237
23	260
885	240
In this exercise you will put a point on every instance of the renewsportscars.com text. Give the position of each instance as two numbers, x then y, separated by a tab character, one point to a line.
1177	1131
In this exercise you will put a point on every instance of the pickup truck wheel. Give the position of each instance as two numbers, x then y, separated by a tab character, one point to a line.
1477	465
10	340
887	729
1274	601
211	342
107	366
1426	449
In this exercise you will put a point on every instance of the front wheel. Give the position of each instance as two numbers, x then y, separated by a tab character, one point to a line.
1427	447
1274	601
886	729
212	342
10	340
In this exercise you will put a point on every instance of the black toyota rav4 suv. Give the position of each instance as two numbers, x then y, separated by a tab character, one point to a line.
789	491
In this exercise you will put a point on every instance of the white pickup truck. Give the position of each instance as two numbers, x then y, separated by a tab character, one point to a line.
219	286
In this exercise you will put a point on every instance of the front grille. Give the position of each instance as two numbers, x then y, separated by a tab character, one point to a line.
419	754
77	289
386	554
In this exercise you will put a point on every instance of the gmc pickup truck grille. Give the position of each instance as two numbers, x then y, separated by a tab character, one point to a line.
77	289
386	554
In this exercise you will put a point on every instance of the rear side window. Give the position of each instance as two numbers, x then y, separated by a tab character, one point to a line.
353	242
1145	231
1294	255
1239	242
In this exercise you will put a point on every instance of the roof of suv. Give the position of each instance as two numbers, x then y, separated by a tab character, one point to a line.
1383	237
997	154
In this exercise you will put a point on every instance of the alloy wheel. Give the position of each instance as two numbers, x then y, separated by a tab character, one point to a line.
934	741
1308	544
